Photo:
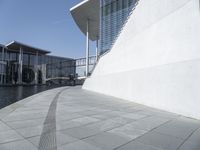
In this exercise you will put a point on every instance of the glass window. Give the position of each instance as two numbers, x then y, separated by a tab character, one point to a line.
32	60
114	14
25	59
1	56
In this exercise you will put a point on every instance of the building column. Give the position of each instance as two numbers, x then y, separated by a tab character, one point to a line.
44	75
97	50
87	49
36	68
5	65
2	71
20	65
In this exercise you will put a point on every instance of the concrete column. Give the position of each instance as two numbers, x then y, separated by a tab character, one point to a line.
20	65
44	74
87	49
36	68
97	50
2	59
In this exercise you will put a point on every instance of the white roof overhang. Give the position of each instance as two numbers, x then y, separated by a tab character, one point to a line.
87	10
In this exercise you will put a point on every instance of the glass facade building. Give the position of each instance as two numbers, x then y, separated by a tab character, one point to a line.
114	14
2	65
36	67
59	67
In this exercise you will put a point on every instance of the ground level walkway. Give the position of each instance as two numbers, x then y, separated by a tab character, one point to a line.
70	118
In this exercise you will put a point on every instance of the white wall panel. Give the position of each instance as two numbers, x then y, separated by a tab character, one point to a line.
156	59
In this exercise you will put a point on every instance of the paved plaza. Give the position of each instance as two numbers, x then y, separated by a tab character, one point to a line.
70	118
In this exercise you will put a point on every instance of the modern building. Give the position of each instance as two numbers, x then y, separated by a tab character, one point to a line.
24	64
81	65
59	67
2	64
86	15
150	51
114	14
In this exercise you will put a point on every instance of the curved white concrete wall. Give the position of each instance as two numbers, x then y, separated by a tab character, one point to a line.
156	59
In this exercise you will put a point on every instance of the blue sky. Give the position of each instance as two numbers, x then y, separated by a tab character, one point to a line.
46	24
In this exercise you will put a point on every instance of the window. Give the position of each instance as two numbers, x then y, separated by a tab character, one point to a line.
114	14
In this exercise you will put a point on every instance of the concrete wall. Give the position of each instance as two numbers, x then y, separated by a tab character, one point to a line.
156	59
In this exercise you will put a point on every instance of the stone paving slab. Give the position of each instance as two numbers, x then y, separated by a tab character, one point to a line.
70	118
18	145
61	139
161	141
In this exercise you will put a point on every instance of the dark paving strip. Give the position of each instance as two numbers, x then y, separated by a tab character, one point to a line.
48	136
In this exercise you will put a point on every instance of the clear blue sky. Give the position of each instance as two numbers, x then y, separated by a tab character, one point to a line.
46	24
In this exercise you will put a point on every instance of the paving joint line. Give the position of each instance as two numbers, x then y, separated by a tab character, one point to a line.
141	135
184	141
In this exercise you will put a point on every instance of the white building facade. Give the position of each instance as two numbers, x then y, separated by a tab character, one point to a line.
155	59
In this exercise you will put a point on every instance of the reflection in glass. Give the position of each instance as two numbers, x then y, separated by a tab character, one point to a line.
114	14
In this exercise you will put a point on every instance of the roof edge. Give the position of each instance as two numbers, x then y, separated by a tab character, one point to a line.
79	4
3	46
22	44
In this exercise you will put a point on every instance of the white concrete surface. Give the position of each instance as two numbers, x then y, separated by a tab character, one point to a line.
156	59
84	11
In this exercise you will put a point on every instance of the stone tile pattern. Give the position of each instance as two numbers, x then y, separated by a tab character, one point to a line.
70	118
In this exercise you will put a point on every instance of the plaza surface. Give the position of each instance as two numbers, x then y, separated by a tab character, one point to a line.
70	118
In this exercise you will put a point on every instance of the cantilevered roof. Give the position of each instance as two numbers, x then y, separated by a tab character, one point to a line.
87	10
14	45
